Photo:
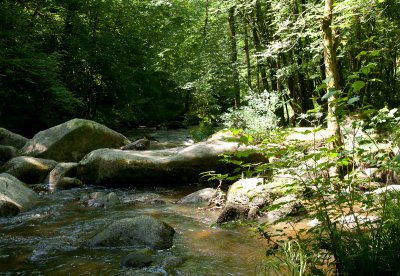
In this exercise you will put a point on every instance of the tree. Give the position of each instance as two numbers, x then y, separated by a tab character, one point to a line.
234	55
330	44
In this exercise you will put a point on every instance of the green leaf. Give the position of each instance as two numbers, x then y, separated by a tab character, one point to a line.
376	53
353	100
362	53
333	155
365	70
329	94
358	85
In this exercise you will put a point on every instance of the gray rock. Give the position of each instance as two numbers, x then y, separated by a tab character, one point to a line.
243	197
288	205
29	169
112	200
96	199
139	259
246	196
232	212
69	183
14	191
97	202
250	192
355	220
141	231
7	153
172	262
8	208
72	140
204	195
8	138
386	189
141	144
52	246
62	170
110	167
253	212
97	195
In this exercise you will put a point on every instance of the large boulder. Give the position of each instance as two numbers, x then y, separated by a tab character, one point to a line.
8	138
141	231
28	169
14	191
232	212
7	153
245	196
289	205
249	191
72	140
110	167
203	195
8	208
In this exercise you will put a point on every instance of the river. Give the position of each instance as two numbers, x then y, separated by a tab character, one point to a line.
49	239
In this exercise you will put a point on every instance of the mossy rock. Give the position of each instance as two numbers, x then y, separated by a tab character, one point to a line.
8	138
29	169
14	191
109	167
142	231
72	140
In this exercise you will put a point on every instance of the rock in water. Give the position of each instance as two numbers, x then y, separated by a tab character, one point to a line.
72	140
14	191
28	169
141	144
244	197
204	195
60	171
111	167
139	259
8	208
141	231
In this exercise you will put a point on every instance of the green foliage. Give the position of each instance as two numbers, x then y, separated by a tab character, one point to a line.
203	130
291	258
357	233
256	116
353	240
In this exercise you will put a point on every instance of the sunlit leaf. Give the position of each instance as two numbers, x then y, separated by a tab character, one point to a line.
358	85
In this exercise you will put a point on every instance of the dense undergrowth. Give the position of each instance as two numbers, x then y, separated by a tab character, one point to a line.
352	208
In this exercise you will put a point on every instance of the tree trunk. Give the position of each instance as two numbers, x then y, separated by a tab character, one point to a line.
331	71
247	53
257	31
234	56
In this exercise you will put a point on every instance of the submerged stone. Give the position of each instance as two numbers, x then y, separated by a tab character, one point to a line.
141	231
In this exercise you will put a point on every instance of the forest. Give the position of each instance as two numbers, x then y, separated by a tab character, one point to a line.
263	69
127	63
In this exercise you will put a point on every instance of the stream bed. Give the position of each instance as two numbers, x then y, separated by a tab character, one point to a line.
49	239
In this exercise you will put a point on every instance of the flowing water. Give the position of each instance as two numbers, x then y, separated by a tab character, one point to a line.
49	239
